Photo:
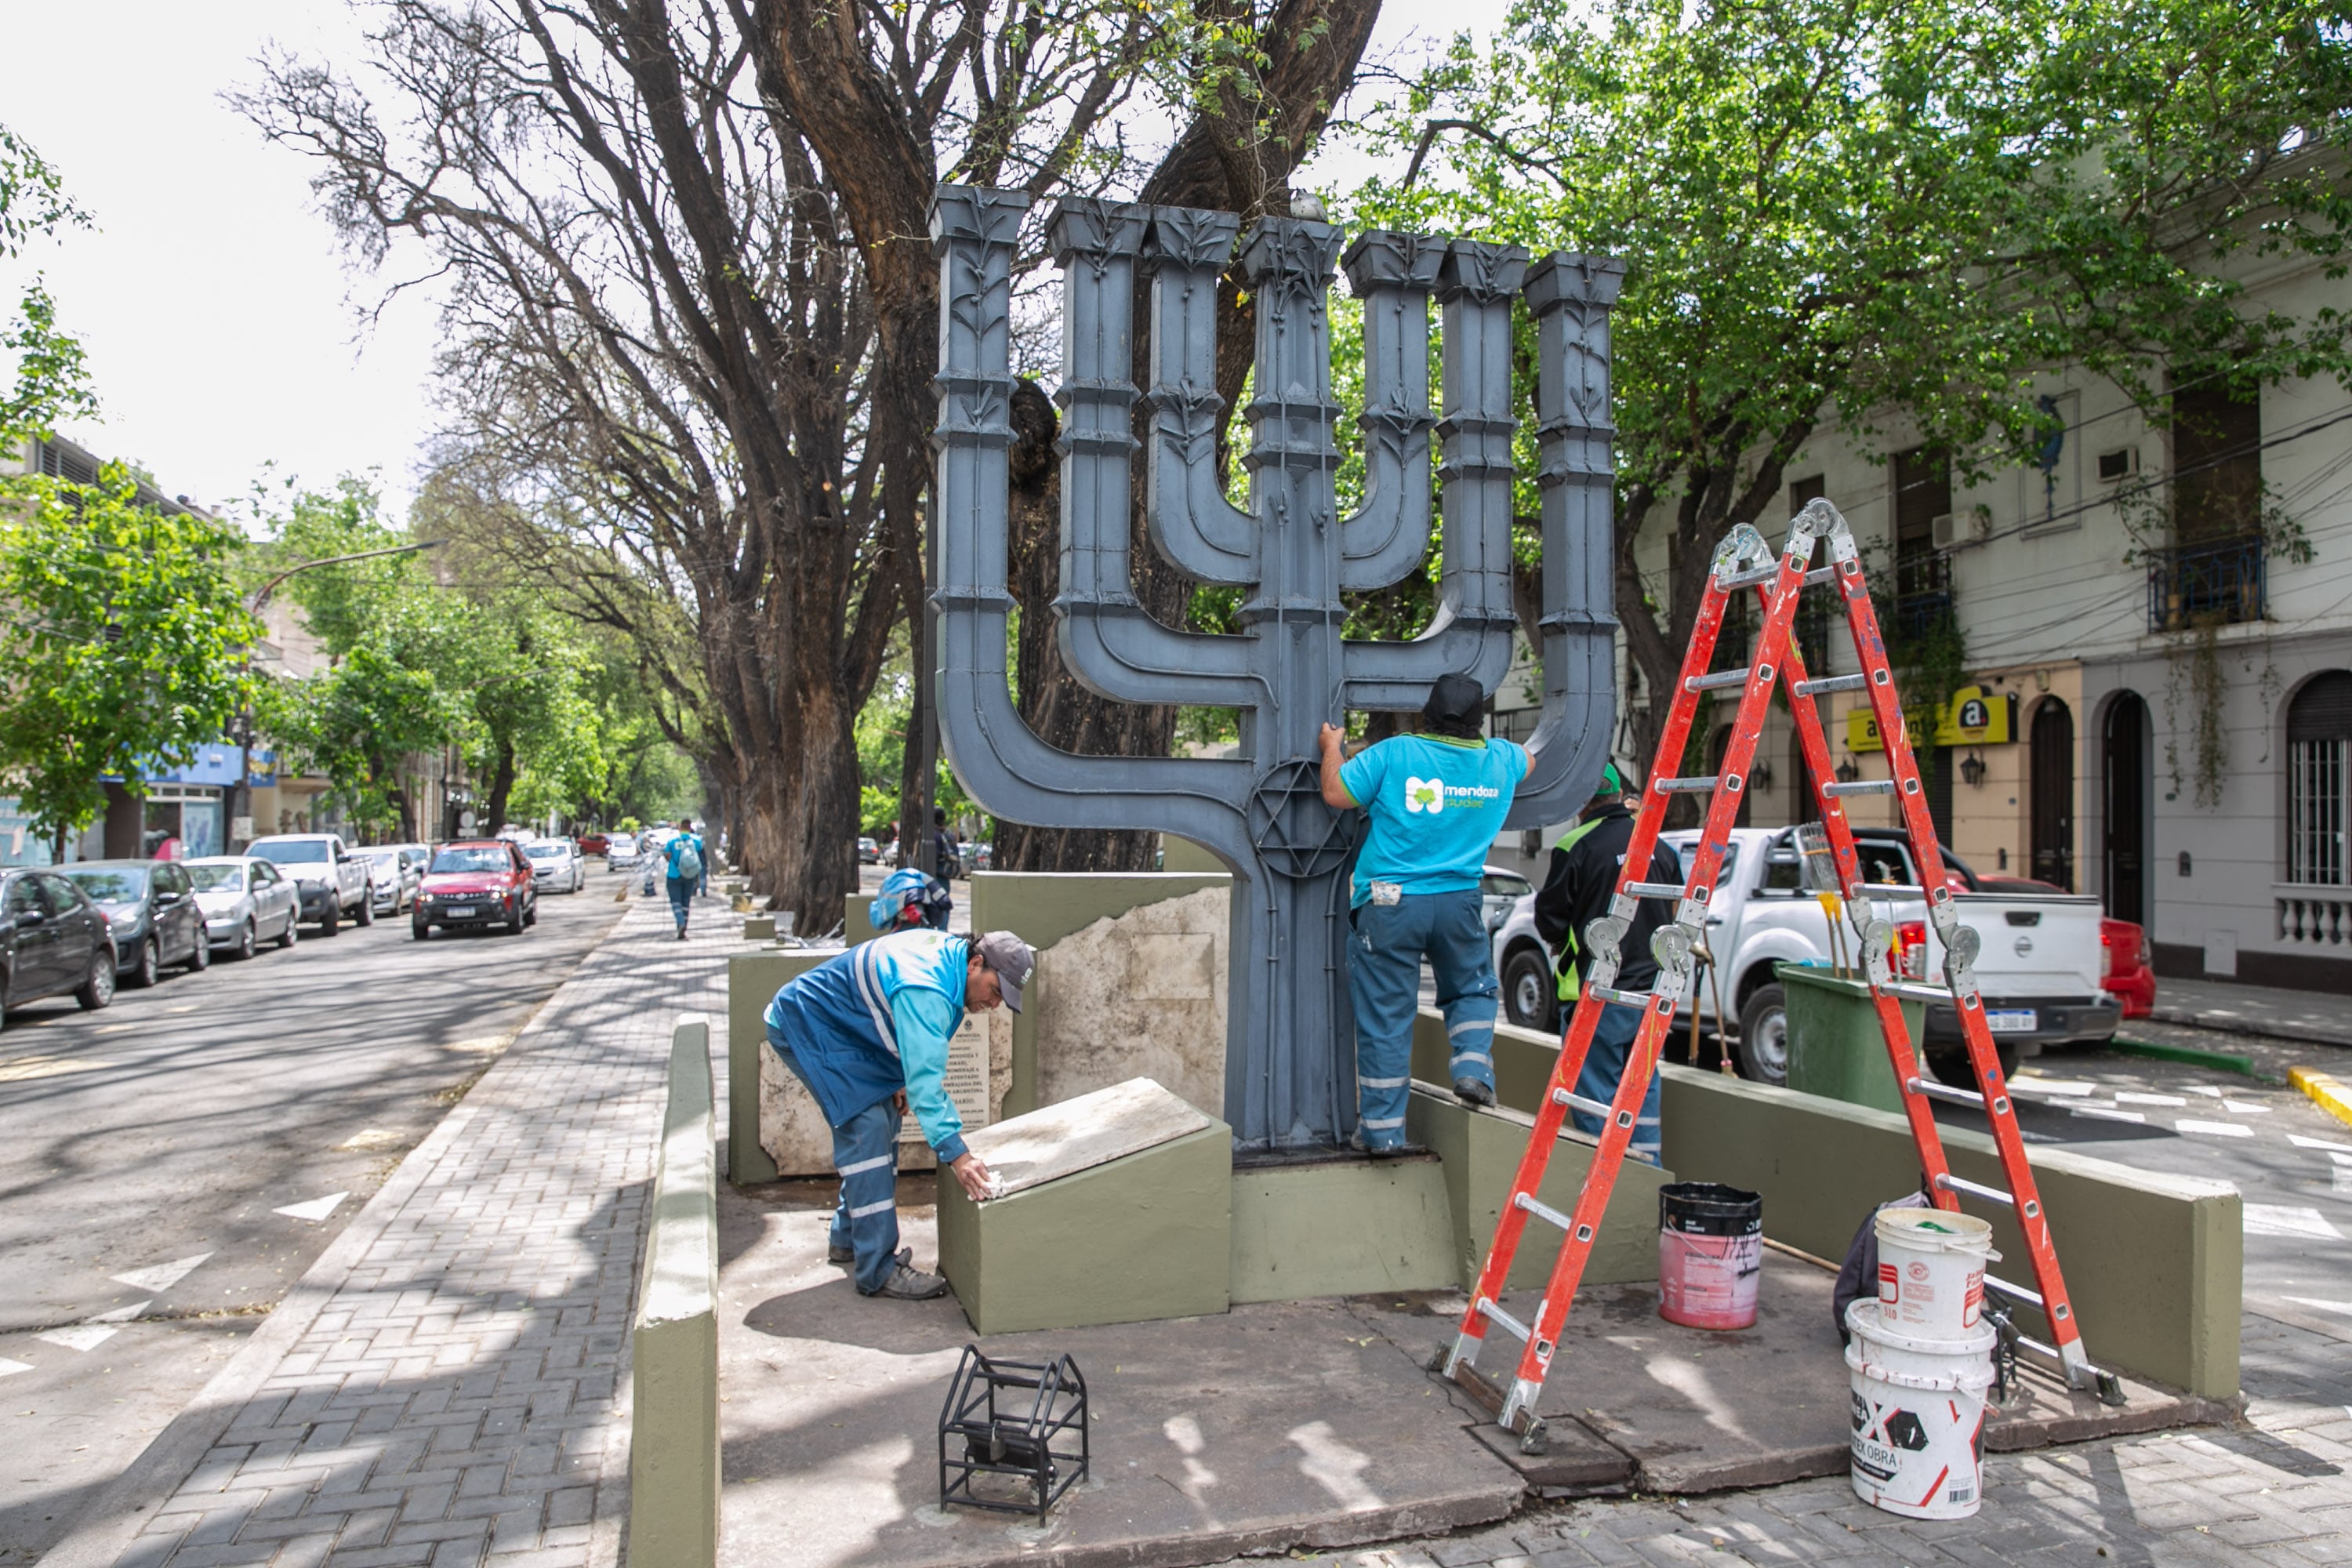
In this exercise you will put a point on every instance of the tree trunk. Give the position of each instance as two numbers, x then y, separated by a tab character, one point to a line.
502	778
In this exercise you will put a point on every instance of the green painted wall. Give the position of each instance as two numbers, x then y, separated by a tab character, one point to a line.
1150	1235
752	981
1183	854
1044	907
1837	1047
674	1443
1481	1151
2154	1263
1343	1227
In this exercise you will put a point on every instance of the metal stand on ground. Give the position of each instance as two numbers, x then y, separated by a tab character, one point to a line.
1036	1436
1743	561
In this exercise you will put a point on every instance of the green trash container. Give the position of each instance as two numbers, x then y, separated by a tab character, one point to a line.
1835	1047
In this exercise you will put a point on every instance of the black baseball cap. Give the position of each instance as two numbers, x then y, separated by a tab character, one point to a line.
1453	699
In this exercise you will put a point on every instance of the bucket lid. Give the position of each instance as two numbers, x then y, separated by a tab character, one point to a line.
1864	1322
1934	1230
1962	1373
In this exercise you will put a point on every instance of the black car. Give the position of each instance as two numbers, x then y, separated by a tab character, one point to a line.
53	939
152	905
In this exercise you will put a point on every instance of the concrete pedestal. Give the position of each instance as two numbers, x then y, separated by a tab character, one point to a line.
1341	1225
1837	1047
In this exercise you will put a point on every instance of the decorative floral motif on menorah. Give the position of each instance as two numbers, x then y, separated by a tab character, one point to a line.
1289	1065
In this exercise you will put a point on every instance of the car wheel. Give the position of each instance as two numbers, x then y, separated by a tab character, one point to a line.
290	936
419	930
1953	1067
531	913
366	915
332	921
248	941
150	961
199	953
1764	1035
96	988
1530	995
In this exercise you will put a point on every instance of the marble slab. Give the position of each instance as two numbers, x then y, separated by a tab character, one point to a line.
1079	1134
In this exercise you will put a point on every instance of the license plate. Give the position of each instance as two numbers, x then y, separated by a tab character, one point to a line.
468	912
2011	1020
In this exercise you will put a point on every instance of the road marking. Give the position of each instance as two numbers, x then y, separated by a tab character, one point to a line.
482	1046
84	1337
2343	1307
17	1069
2277	1219
368	1138
2207	1090
2244	1108
119	1314
161	1277
2124	1097
2218	1128
2052	1085
316	1209
184	1007
2092	1113
11	1368
2300	1141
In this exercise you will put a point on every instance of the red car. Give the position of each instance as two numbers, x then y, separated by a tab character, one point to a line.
2124	956
477	882
594	843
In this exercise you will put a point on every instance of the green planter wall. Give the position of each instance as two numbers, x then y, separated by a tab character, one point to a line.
1836	1048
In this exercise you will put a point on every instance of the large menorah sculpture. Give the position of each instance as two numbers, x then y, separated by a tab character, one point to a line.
1290	1056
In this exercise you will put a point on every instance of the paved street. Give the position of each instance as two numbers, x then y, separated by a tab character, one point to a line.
148	1153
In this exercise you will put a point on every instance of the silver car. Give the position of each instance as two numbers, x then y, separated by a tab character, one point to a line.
395	870
245	901
555	865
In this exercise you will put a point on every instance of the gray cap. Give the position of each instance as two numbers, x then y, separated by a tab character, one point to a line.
1010	958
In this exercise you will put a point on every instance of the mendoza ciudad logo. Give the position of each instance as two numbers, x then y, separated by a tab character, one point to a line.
1432	795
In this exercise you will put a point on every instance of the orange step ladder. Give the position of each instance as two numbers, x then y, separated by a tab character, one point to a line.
1743	560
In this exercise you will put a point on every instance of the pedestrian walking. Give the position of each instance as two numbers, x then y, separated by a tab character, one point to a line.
867	1032
684	855
1435	801
1578	887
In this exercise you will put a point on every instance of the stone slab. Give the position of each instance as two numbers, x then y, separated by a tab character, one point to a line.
1138	995
1146	1235
1277	1427
1341	1226
1078	1134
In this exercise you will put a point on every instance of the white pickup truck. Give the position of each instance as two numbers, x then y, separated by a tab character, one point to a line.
2039	965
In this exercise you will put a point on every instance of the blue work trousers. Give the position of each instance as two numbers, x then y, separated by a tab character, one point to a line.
865	1156
681	892
1384	956
1604	1068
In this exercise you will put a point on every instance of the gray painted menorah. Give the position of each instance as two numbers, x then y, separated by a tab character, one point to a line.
1290	1054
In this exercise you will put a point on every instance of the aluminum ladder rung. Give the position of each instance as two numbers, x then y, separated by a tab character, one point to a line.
1934	1091
1757	576
1859	786
1717	681
1952	1184
1911	991
1895	890
2031	1298
1624	998
1502	1319
1829	683
1593	1107
1654	889
1545	1211
1697	785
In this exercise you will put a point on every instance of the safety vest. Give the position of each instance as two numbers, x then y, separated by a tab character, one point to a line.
837	1019
1569	989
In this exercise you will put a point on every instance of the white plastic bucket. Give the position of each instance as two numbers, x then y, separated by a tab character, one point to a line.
1918	1418
1931	1266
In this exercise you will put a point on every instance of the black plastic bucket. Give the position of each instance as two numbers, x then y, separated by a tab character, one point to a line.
1710	1254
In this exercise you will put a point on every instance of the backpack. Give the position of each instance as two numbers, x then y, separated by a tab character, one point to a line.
687	864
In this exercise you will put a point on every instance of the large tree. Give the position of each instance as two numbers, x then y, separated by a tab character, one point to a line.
1841	213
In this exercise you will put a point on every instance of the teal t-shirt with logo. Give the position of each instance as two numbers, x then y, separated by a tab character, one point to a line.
1436	806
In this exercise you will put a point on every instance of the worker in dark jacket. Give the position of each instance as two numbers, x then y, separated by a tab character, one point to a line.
1576	890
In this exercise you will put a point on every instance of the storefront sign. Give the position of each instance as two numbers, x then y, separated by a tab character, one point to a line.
1973	718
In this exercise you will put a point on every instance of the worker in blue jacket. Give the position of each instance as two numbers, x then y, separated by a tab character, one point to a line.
867	1032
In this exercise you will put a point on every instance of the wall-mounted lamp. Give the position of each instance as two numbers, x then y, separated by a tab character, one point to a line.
1972	769
1759	776
1847	770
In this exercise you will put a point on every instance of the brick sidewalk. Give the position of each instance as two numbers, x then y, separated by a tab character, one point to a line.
457	1396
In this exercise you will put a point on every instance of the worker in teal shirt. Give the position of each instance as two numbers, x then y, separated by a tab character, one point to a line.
1436	800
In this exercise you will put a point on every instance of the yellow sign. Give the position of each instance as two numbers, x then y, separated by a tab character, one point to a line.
1973	718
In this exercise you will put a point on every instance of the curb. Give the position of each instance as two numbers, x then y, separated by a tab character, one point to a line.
2333	1095
2219	1061
2236	1024
109	1525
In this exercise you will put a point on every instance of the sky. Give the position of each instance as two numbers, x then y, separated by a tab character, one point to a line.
229	335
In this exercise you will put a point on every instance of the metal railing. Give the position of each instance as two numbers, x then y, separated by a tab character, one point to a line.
2224	579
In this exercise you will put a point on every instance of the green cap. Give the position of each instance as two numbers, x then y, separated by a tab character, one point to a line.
1610	783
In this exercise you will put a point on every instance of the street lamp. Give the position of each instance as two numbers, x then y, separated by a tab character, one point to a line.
1972	770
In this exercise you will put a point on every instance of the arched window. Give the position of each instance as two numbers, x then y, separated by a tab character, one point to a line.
2318	733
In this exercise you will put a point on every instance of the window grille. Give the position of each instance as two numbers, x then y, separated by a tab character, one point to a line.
2314	812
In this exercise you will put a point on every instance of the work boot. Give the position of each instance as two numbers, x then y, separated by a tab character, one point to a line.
1473	1091
909	1283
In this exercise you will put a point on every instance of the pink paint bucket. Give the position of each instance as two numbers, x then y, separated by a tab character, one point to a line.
1710	1254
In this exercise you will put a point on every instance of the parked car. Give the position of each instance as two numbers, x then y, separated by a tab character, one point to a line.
2128	973
152	907
1500	888
594	844
555	865
332	882
477	882
868	852
620	853
245	900
2039	967
395	870
53	939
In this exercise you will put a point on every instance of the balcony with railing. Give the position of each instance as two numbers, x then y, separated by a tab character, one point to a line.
1923	596
2221	581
